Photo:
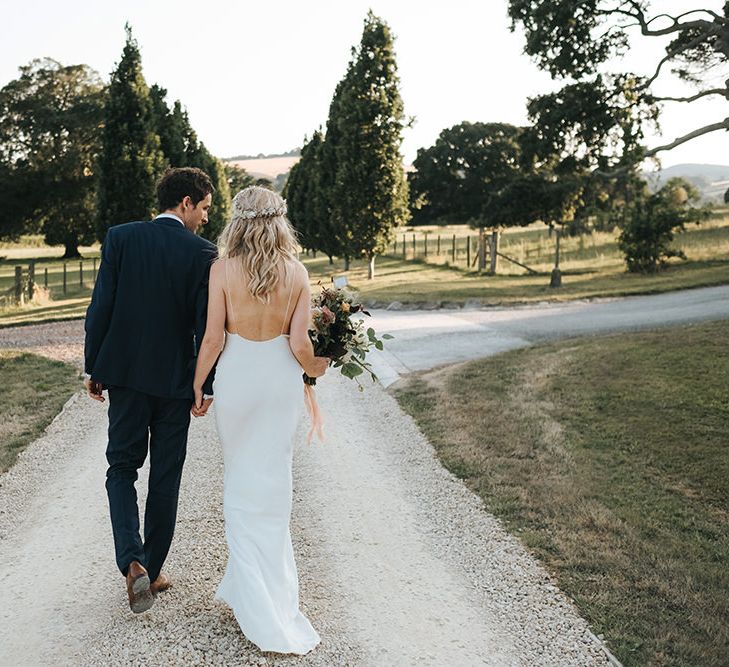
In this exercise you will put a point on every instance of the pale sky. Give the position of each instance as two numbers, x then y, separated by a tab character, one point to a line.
256	77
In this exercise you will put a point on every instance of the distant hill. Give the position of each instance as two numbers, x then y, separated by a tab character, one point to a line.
292	153
272	168
712	180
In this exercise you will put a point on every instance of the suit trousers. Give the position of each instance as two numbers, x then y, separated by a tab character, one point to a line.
138	424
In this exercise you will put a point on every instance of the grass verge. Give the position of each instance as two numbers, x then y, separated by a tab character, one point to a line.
608	456
32	392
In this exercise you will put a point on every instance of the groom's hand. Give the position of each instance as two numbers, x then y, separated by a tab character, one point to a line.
94	389
200	405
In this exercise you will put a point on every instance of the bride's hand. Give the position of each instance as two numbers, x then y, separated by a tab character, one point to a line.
197	406
318	367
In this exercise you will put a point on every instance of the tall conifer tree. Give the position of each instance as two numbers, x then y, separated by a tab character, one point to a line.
369	194
182	148
131	158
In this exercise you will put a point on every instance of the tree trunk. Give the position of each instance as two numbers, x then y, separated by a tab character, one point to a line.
346	263
371	267
481	249
71	250
494	249
331	259
556	278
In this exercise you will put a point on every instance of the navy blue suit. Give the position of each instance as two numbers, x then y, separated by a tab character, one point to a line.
146	319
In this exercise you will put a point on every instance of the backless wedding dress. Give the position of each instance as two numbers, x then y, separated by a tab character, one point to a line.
259	397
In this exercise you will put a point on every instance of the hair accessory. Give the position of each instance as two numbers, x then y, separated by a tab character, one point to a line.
251	213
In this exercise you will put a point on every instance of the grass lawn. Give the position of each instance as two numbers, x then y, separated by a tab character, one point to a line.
32	392
592	266
609	457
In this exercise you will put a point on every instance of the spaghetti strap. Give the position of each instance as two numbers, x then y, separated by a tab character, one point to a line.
288	303
229	301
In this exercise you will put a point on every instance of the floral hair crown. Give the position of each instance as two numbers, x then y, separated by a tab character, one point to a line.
251	213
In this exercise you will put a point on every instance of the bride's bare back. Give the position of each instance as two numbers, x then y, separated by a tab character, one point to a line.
246	316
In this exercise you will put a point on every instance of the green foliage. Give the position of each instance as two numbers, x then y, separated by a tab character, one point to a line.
362	162
604	116
307	199
50	119
182	148
655	218
132	158
237	177
461	178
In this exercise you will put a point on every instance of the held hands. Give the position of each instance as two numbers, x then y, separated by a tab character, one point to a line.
201	405
94	389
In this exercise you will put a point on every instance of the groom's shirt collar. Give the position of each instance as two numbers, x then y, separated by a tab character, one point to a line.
170	215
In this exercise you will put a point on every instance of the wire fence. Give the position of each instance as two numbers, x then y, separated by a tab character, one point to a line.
25	282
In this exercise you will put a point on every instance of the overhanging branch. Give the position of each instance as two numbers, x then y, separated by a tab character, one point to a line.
724	92
723	125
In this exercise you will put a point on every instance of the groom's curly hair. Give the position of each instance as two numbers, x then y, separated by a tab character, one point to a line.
180	182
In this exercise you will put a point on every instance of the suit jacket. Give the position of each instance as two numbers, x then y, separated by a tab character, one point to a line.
149	308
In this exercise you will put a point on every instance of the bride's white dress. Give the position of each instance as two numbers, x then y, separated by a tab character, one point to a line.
259	397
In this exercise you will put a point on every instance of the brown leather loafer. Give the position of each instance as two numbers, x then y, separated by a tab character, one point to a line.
161	583
140	595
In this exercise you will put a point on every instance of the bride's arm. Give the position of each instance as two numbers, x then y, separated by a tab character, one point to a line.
299	340
214	338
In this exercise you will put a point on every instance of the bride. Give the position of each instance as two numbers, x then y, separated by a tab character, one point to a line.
258	314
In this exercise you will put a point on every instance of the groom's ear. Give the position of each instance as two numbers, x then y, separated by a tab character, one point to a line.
187	201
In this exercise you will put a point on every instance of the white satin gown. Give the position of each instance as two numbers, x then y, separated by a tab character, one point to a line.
259	397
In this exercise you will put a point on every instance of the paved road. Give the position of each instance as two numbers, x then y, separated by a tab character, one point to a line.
426	339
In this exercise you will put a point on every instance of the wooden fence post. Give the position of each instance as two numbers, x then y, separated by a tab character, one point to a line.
468	252
438	253
65	271
45	277
425	241
18	285
404	248
415	250
31	280
494	249
453	249
80	274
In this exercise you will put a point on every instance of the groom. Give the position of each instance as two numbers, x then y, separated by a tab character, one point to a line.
143	327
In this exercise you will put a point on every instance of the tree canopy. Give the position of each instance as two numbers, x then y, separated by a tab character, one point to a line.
132	158
581	40
368	192
50	120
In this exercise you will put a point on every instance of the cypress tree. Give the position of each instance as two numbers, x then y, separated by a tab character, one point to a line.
182	148
369	194
306	203
131	158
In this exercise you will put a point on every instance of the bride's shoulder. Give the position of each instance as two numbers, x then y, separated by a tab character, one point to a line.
299	270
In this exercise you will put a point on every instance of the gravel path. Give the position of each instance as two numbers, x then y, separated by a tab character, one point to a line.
399	563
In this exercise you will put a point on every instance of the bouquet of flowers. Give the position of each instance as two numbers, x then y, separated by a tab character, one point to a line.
340	336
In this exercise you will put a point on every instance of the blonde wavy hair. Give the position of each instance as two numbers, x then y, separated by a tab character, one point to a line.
260	235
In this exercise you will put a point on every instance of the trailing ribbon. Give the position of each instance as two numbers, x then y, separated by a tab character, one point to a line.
317	421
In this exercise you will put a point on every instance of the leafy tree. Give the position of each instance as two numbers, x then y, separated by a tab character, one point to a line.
461	177
172	126
237	177
342	235
369	194
575	39
307	201
182	148
50	120
647	237
131	157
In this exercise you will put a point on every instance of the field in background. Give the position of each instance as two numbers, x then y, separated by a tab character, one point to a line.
607	456
591	264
